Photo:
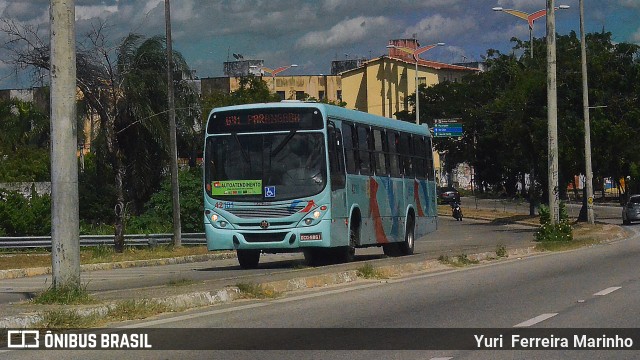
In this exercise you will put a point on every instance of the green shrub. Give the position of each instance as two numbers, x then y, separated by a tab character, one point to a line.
561	231
22	216
158	215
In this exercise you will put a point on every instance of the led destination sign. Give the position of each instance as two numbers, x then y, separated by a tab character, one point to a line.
276	119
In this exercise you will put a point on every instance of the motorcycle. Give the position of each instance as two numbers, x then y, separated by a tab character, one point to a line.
456	211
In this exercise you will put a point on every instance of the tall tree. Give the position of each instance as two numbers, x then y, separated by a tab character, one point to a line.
123	87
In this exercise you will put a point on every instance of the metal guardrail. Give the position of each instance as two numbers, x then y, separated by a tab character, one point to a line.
26	242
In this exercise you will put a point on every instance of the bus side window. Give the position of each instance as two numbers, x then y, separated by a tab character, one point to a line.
379	154
336	163
350	151
363	150
430	174
419	157
405	154
392	143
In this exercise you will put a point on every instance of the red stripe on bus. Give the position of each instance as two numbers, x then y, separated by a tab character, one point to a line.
416	196
381	237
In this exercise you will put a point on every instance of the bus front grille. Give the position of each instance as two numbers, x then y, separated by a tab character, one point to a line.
266	212
264	237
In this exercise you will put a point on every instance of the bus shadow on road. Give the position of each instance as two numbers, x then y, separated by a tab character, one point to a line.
289	264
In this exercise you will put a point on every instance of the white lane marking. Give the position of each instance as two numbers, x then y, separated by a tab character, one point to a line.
607	291
535	320
441	358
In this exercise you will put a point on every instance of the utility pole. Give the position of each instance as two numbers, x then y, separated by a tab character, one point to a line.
173	151
552	113
587	127
65	222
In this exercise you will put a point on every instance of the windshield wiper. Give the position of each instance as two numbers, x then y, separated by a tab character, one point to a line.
283	143
242	151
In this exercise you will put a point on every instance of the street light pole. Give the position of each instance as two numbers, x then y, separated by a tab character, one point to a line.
552	114
530	18
173	142
587	127
275	72
65	237
416	57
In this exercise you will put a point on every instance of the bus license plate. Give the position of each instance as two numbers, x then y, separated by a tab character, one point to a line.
315	236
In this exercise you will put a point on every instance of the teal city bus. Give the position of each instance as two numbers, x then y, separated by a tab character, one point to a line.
316	178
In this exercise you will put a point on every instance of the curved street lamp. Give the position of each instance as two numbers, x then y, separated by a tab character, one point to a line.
416	57
276	71
530	18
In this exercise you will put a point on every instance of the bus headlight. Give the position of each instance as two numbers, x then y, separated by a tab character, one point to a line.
219	222
315	216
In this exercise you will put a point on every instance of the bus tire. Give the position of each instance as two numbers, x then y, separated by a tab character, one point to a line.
345	254
248	259
392	250
312	257
408	245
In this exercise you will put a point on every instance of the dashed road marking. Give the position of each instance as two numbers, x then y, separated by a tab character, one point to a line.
535	320
607	291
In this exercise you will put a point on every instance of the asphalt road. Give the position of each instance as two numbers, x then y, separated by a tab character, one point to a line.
452	238
595	287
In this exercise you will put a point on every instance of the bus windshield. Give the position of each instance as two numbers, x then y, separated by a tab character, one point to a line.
265	167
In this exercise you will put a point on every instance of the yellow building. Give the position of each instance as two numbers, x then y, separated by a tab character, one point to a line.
294	87
382	85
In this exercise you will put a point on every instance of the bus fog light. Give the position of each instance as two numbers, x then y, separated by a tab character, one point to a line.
223	224
308	221
316	214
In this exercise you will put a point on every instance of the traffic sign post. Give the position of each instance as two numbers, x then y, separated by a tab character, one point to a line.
447	128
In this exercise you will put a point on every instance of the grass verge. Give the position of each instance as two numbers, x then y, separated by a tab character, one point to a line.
367	271
64	295
121	311
99	254
457	261
256	291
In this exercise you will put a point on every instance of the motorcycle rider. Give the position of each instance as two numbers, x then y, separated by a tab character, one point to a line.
456	211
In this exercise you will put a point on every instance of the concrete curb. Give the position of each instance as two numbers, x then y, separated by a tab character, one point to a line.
36	271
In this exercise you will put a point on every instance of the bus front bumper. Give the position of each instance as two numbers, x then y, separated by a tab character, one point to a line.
284	240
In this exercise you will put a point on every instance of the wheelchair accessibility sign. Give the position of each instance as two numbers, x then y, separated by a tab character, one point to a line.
269	191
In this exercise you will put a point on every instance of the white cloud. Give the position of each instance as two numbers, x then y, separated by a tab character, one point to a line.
635	37
434	27
345	32
630	3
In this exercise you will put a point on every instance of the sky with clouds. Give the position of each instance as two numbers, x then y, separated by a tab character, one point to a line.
312	33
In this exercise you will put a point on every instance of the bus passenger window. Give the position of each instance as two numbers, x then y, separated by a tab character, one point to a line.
405	154
363	150
380	156
392	141
419	156
336	164
430	174
350	152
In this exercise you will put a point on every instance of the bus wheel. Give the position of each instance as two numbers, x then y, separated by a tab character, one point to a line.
248	259
312	257
391	250
345	254
407	246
